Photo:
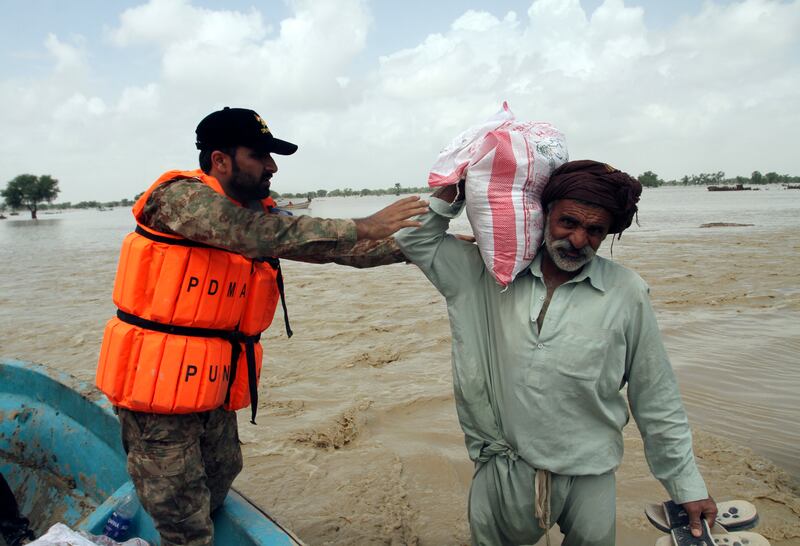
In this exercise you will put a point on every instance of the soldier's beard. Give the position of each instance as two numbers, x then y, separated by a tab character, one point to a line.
557	249
248	186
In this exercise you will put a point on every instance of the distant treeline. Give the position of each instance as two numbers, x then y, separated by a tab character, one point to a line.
397	189
86	205
648	179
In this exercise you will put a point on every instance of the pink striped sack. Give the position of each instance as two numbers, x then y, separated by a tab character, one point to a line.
506	164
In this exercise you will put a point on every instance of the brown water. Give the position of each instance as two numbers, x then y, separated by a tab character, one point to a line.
358	442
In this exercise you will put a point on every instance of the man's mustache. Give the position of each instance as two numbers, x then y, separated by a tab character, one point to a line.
564	244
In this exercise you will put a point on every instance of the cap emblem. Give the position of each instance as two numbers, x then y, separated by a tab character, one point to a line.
264	128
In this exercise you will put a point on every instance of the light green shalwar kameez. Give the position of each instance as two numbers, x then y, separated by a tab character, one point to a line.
552	399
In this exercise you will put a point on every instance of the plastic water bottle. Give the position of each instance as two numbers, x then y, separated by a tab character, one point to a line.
120	520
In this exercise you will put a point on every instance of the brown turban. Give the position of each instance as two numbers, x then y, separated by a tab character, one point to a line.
599	184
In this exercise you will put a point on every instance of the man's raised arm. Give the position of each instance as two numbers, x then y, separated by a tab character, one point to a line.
450	263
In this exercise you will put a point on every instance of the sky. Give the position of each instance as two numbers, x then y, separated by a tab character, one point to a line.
105	96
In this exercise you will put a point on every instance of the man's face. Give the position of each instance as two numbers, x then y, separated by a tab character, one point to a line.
573	233
251	173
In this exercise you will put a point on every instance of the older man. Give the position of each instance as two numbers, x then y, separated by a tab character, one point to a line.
539	368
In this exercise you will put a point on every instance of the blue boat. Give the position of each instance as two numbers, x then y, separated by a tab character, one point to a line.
61	453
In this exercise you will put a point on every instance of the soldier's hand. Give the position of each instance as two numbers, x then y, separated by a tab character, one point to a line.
706	509
392	218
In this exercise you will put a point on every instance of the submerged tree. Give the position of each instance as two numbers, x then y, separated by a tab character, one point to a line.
649	179
28	190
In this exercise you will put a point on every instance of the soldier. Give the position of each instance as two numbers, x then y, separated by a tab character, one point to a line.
197	283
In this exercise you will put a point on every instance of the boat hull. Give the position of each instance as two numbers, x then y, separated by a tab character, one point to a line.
294	206
62	455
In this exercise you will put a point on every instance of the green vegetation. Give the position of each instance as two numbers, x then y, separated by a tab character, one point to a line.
35	192
89	205
651	179
648	179
28	191
397	189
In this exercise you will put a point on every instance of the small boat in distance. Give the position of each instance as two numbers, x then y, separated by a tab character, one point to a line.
290	205
737	187
61	453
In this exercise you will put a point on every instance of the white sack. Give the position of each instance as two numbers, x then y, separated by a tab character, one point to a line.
61	535
506	164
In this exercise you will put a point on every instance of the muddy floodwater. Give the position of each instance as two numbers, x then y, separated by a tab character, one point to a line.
357	439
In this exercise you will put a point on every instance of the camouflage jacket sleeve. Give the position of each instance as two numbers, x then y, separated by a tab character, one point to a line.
193	210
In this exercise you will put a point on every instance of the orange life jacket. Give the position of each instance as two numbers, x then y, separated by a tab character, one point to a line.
189	319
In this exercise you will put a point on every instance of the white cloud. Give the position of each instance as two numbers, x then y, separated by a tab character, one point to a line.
139	100
78	107
68	57
620	91
686	98
475	21
170	22
230	54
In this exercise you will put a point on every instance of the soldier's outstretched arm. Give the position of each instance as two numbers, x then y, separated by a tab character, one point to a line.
193	210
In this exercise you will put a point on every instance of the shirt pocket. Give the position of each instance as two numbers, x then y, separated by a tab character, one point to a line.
584	352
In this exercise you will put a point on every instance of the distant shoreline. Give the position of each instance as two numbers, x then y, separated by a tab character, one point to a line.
55	208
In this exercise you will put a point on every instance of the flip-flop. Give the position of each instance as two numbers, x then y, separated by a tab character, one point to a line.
744	538
681	533
733	515
739	538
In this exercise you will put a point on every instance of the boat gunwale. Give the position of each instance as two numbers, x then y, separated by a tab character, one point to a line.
84	404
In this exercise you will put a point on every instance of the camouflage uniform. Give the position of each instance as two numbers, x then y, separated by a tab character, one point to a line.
183	465
193	210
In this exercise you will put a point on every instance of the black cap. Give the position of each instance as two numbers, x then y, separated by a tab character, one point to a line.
239	127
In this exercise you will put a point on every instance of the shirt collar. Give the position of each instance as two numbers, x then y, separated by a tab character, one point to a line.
593	271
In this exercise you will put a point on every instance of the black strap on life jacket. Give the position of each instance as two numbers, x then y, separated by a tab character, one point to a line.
252	380
236	350
276	265
234	337
170	241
